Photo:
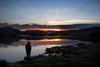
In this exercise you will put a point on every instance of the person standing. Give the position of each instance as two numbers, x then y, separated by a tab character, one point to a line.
28	49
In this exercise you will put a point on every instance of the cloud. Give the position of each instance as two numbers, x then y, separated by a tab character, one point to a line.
73	21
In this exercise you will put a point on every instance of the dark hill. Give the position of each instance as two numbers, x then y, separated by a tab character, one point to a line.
8	31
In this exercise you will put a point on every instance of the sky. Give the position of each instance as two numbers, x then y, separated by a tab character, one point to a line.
49	12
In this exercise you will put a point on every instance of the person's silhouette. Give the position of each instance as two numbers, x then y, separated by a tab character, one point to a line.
28	49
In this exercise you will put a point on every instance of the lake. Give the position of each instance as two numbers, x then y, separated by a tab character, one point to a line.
15	50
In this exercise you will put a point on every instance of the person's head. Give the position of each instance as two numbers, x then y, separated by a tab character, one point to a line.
29	42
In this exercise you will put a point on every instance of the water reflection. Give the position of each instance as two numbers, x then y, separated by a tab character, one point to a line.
48	40
8	40
23	49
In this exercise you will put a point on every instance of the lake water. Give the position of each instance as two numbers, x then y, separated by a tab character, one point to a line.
15	51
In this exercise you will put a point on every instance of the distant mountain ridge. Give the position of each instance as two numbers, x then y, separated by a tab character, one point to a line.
73	26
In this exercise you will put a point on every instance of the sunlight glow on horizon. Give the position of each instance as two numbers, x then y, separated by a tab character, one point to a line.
75	21
42	29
